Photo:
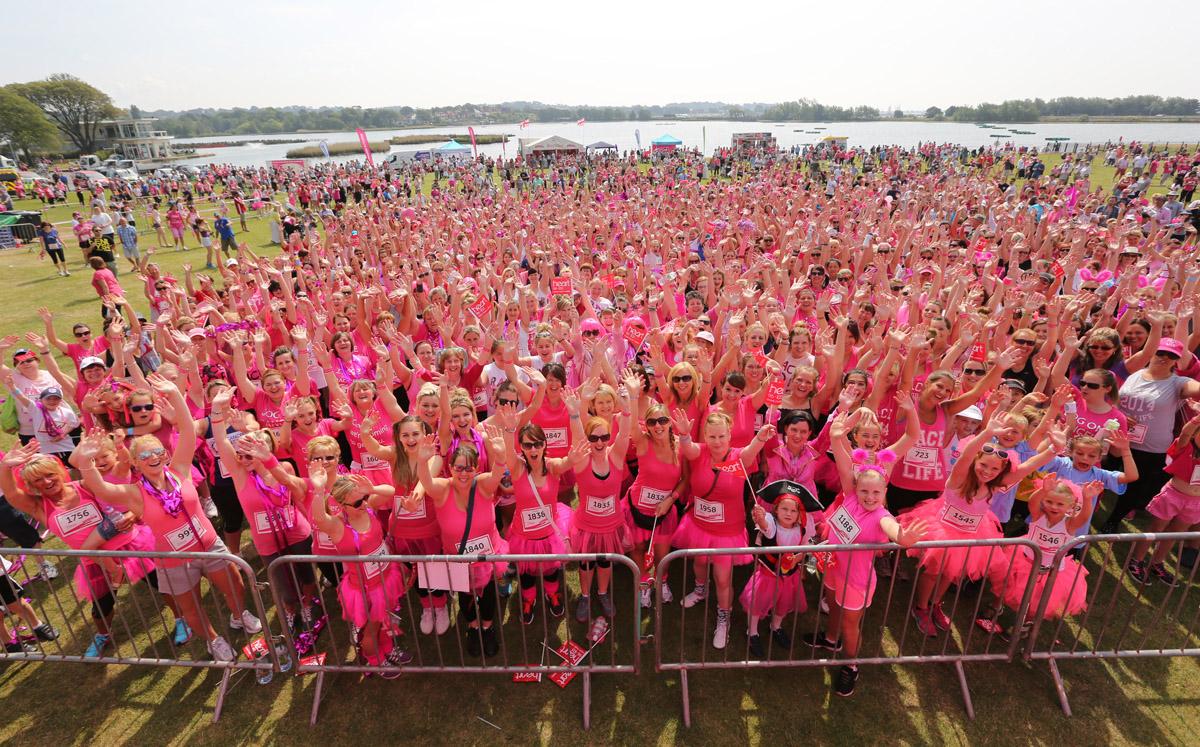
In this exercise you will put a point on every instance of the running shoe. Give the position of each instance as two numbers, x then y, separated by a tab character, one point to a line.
583	608
1159	571
441	620
49	570
1139	572
527	611
924	622
818	640
695	596
246	621
721	634
183	631
847	678
782	639
606	605
647	597
45	632
19	647
473	648
427	620
100	641
220	650
989	626
554	604
756	647
666	596
491	645
938	615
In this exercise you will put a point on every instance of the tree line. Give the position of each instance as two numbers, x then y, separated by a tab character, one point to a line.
1031	110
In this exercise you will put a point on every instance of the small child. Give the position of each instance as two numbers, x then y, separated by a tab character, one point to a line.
1057	510
1175	508
775	587
53	420
1080	467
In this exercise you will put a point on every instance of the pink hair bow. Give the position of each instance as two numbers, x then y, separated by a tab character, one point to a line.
1098	277
1157	284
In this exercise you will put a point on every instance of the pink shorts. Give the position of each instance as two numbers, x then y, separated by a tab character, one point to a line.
1172	504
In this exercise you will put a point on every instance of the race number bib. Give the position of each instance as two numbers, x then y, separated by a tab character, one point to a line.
922	456
185	537
710	511
1137	433
324	541
372	569
650	498
81	517
399	512
1195	478
370	461
845	528
481	545
556	437
962	520
262	519
533	519
601	505
480	400
1049	542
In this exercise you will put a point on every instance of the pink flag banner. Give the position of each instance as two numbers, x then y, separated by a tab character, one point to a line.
362	138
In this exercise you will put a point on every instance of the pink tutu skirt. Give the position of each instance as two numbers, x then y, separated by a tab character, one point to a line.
667	524
953	562
416	546
373	605
691	536
551	544
1069	596
767	594
617	540
91	582
483	573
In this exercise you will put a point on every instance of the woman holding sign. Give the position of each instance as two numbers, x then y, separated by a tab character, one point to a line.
718	516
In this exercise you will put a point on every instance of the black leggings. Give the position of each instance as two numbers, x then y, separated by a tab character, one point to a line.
103	606
14	524
1151	479
486	606
587	565
528	580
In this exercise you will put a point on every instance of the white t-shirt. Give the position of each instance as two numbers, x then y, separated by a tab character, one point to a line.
493	376
32	389
66	421
104	222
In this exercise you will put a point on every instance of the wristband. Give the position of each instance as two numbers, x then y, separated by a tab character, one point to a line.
43	352
271	462
129	431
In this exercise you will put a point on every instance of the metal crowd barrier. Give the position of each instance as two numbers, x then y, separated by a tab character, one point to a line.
528	653
1124	618
885	637
142	629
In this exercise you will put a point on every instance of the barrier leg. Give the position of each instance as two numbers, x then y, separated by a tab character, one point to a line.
966	689
312	719
225	674
1058	685
587	700
687	705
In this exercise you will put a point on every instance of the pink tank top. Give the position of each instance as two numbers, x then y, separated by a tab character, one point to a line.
383	435
269	413
1048	538
923	467
419	523
275	524
369	543
598	497
961	515
188	531
74	525
717	509
483	539
533	520
298	448
556	424
742	431
654	482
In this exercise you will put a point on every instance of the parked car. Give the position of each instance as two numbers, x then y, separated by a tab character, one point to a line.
94	179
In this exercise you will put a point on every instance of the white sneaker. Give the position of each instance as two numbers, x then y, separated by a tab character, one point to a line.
49	570
248	622
427	620
220	650
824	606
647	597
441	619
695	596
721	635
666	596
210	508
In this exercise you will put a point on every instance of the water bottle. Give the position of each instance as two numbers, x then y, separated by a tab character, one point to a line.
1111	426
285	656
264	676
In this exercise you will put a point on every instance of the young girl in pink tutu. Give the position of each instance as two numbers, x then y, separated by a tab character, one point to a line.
775	589
962	512
1057	509
368	591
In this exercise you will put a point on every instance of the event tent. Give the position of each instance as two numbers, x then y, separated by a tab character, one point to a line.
601	145
665	142
452	149
553	145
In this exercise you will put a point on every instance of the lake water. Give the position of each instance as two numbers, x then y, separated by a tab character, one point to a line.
711	135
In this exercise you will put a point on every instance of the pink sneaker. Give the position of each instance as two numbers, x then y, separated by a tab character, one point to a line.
924	623
938	615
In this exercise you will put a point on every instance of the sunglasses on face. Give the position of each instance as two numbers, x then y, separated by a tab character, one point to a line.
599	438
1025	343
1090	385
1100	347
990	449
357	504
591	333
151	453
681	379
142	408
974	371
532	444
83	333
657	421
323	459
506	402
460	468
1165	354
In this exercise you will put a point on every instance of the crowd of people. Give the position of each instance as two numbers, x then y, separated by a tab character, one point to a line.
616	354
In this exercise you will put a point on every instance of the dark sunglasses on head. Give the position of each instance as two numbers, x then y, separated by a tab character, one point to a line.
142	408
599	438
658	421
681	379
989	449
1090	384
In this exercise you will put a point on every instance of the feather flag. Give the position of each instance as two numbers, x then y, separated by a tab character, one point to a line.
581	122
524	123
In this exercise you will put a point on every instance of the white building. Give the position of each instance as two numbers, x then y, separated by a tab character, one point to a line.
135	138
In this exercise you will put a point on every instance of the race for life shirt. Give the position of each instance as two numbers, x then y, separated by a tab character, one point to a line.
1150	406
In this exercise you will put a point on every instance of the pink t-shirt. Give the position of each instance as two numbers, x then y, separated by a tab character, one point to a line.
106	283
1091	423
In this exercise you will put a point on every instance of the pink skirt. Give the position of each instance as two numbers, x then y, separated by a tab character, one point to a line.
416	546
617	541
483	573
92	583
1068	597
691	536
373	605
953	562
551	544
667	524
767	593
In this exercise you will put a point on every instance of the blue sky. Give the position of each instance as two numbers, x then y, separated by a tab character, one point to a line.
909	55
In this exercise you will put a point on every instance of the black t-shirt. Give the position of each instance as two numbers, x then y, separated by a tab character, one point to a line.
1026	375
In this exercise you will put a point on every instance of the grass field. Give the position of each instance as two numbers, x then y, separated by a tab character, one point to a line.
1150	701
